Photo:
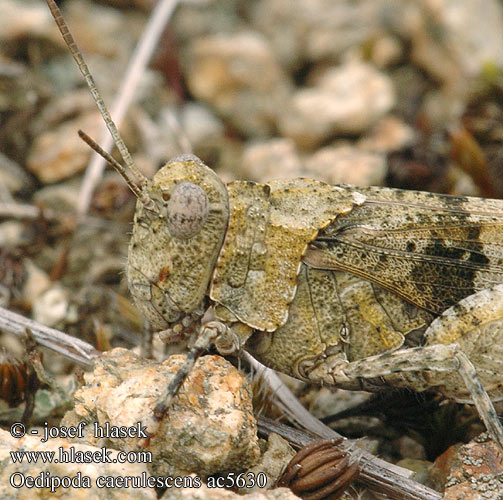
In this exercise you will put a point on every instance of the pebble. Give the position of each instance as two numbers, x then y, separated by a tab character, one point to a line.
23	19
454	40
13	177
96	254
410	449
420	467
347	165
59	153
104	30
273	159
473	471
192	126
209	428
318	30
13	234
238	75
389	134
62	197
200	124
345	99
272	463
35	284
386	51
330	401
51	307
206	17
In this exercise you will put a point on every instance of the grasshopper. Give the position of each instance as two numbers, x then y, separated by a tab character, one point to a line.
355	288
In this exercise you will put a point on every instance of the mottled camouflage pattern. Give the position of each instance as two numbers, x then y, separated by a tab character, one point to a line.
432	250
325	276
270	226
169	275
339	315
332	284
476	325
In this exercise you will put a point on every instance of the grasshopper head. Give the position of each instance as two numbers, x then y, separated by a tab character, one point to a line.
176	240
179	226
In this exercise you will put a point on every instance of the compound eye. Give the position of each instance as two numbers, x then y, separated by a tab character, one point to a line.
187	210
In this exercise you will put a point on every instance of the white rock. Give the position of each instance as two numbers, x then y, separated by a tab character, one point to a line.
273	159
387	135
51	307
23	19
239	76
456	39
347	165
209	428
318	30
60	153
36	282
12	234
346	99
200	124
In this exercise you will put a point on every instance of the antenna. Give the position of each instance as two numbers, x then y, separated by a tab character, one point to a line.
79	59
147	202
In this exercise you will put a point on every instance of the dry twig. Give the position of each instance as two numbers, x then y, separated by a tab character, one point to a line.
379	475
375	473
139	61
71	347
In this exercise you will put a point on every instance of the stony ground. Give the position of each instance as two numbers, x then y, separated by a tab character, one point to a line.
399	93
